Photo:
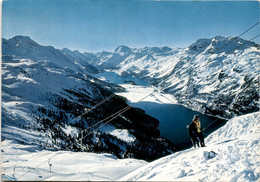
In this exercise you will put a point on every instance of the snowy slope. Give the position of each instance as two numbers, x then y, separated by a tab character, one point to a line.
27	162
206	76
232	154
110	60
81	59
135	92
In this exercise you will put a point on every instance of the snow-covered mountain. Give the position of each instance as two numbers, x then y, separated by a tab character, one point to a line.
232	154
80	58
217	76
43	90
111	60
24	47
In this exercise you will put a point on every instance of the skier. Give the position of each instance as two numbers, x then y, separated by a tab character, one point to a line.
195	132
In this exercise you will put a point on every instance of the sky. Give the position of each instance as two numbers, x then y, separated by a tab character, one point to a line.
98	25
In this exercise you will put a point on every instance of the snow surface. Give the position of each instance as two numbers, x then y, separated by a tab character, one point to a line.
25	162
135	93
122	134
113	77
232	154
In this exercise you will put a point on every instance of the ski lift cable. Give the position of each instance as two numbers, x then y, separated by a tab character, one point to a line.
161	94
97	105
117	114
238	36
102	120
203	128
210	124
165	98
94	107
121	112
113	115
243	43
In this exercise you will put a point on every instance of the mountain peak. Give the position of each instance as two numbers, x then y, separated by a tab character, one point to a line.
23	39
200	45
65	49
220	44
77	52
226	44
122	49
20	40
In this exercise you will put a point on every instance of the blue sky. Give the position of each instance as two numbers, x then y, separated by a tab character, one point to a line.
96	25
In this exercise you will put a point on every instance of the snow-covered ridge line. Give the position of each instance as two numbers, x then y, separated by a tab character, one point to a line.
232	154
23	47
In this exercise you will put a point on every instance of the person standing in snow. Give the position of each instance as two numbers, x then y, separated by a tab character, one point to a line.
200	135
195	132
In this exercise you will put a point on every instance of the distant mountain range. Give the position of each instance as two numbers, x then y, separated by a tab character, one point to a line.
218	76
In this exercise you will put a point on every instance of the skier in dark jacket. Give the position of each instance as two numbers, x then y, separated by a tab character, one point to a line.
195	132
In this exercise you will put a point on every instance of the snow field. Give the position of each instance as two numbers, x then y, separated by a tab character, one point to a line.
66	165
135	93
122	134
